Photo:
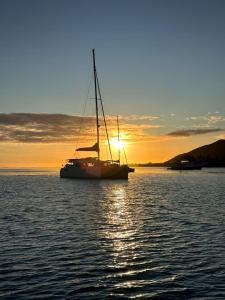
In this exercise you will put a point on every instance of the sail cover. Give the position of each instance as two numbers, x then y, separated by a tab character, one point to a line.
95	147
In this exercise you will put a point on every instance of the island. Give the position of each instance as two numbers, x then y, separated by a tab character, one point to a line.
212	155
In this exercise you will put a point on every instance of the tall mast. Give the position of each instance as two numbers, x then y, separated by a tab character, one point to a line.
96	102
118	131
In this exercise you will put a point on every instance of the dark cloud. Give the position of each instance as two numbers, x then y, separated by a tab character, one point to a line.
45	128
190	132
40	119
60	128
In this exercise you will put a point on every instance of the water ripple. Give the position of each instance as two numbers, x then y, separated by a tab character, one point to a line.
158	236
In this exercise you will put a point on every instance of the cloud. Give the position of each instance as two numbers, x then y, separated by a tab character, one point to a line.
210	118
139	118
45	128
190	132
61	128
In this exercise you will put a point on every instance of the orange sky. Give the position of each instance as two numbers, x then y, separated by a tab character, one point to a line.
46	140
53	155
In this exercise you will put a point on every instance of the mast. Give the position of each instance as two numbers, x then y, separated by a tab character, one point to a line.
118	135
96	102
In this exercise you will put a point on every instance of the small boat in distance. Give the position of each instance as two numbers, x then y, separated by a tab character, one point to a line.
94	167
185	165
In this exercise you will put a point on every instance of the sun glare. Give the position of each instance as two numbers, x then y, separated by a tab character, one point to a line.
117	144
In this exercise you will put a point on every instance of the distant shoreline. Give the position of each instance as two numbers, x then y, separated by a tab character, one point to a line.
153	165
147	165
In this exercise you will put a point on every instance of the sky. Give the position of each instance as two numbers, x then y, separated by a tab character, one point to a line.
161	68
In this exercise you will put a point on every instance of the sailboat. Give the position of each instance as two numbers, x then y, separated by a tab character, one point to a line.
94	167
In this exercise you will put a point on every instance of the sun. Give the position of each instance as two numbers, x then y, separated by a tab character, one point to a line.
117	144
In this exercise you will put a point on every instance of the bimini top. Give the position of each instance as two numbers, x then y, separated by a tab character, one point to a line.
93	160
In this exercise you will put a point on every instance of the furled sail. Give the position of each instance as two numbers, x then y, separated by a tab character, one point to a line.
95	147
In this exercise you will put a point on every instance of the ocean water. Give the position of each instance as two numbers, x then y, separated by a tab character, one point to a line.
159	235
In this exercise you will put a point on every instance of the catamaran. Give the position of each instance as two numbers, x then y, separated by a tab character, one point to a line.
94	167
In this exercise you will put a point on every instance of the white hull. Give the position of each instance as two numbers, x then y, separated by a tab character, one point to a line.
96	172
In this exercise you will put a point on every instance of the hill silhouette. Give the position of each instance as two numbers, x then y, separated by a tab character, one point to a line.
212	155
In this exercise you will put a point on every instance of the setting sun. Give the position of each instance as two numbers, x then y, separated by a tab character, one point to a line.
118	144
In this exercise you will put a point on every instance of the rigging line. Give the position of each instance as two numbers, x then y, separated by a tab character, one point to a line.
78	137
125	155
103	113
118	133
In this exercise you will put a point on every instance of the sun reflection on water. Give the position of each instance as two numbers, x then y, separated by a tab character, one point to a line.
124	237
122	224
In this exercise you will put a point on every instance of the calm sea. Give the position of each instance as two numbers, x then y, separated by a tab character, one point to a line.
159	235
